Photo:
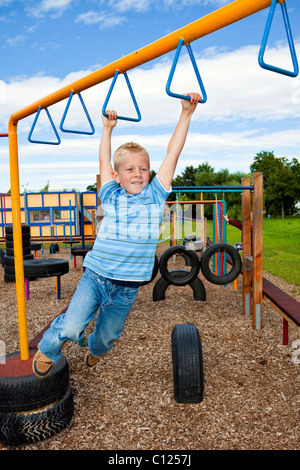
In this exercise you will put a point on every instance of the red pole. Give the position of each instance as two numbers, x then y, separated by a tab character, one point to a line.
285	332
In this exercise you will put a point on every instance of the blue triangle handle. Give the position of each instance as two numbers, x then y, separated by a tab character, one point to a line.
290	41
139	117
170	78
33	141
91	132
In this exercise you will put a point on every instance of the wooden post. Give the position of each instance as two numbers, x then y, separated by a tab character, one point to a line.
257	272
98	189
247	242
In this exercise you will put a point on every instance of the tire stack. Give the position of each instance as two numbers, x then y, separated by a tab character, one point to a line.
33	409
8	258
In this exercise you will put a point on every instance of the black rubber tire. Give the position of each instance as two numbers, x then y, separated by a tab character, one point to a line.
154	272
26	251
28	392
193	242
2	254
80	247
234	271
10	244
10	260
39	424
161	285
190	276
24	228
9	277
35	246
45	267
9	269
25	237
54	248
187	364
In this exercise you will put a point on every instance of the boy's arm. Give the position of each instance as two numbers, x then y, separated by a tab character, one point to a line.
105	147
167	169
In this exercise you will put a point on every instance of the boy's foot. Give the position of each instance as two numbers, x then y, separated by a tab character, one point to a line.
41	364
91	360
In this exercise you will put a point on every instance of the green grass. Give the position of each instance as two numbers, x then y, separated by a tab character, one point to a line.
281	245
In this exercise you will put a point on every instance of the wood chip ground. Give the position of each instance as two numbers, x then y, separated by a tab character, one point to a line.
251	397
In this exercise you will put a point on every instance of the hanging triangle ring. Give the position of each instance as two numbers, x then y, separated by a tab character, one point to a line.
139	117
170	78
52	125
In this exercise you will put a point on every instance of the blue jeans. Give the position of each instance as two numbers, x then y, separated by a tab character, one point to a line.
93	291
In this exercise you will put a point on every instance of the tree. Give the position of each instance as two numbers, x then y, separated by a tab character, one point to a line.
92	187
46	187
281	182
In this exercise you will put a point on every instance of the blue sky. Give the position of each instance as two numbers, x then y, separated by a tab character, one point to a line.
47	44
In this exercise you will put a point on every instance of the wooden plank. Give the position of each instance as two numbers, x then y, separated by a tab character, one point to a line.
287	306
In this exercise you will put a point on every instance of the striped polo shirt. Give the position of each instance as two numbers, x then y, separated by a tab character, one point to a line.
126	242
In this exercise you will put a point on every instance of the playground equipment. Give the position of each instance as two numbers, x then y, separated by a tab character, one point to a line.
227	15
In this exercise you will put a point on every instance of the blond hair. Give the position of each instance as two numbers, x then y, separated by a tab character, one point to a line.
131	147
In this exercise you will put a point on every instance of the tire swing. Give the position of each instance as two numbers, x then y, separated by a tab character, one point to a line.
154	272
33	409
236	264
187	360
161	285
188	254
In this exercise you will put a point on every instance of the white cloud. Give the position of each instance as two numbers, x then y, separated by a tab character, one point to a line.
104	19
53	7
19	39
143	5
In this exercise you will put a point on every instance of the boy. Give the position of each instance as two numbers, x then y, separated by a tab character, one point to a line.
124	250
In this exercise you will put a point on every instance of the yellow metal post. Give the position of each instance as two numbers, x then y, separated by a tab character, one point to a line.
17	237
216	20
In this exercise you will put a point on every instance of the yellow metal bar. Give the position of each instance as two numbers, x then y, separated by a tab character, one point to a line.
221	18
17	236
225	16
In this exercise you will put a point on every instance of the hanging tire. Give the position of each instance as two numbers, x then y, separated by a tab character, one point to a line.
161	285
39	424
190	276
20	393
154	272
187	364
234	271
